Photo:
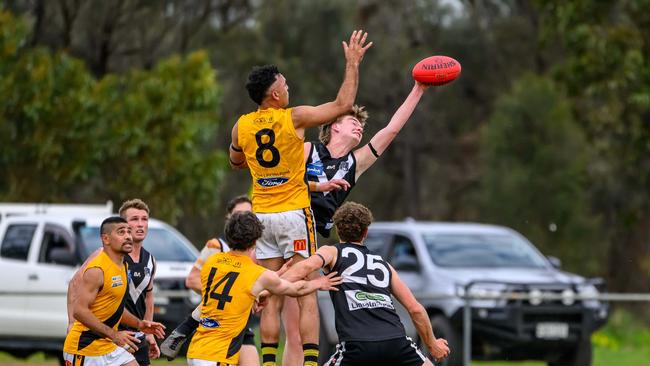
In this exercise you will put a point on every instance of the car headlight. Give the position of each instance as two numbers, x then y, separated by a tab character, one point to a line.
535	297
568	297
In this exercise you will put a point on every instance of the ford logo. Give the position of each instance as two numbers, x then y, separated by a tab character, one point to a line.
272	182
209	323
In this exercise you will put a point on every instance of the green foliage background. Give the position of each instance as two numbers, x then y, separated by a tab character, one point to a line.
547	130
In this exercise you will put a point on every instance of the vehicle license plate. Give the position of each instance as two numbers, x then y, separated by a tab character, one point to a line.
552	330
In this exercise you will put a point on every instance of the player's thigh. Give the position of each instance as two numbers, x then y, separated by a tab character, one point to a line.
248	355
298	235
267	245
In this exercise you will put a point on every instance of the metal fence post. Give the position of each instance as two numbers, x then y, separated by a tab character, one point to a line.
467	327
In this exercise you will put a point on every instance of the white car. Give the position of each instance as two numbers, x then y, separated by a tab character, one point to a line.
39	253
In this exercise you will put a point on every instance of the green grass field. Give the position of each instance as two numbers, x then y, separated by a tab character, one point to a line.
623	342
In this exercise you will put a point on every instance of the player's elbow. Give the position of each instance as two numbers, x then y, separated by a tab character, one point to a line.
416	310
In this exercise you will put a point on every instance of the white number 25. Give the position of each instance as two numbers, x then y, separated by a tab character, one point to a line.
359	263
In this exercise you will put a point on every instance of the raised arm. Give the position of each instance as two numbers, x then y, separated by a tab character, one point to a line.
383	138
269	280
437	346
309	116
237	157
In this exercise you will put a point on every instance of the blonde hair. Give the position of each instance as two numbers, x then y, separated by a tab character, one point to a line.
358	111
134	203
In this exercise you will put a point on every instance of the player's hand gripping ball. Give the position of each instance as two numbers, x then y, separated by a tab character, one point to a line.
436	70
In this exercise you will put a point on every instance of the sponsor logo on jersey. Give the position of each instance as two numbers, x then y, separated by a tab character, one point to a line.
358	299
300	244
272	181
209	323
344	166
116	281
315	168
147	271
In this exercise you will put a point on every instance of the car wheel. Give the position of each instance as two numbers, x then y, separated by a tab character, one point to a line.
581	355
442	328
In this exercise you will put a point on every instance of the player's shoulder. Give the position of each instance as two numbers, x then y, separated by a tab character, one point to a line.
213	243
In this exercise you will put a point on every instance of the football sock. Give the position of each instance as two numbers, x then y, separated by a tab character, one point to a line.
310	350
269	350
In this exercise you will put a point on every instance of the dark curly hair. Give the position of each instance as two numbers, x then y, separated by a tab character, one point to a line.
235	201
259	81
351	221
242	230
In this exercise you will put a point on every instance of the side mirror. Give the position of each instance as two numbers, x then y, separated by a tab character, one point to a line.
62	256
555	261
406	263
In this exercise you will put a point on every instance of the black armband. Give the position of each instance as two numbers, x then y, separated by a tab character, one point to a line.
235	149
372	150
322	258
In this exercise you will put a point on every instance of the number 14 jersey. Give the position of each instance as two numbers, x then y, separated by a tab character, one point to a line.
227	280
275	156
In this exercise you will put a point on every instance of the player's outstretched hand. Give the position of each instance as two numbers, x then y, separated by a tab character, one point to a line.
328	282
333	184
154	351
155	328
127	340
440	349
261	301
355	50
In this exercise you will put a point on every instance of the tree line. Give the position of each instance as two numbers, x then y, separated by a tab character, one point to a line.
546	130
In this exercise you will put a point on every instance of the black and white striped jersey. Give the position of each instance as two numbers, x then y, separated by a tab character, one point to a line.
322	167
140	275
363	306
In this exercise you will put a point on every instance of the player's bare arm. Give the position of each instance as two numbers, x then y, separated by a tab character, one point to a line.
437	346
310	116
383	138
325	257
237	157
269	280
73	286
91	282
193	280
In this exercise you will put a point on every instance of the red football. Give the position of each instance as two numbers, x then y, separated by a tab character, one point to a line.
436	70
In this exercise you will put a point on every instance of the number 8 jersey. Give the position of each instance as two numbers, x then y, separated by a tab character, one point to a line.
363	306
227	280
275	156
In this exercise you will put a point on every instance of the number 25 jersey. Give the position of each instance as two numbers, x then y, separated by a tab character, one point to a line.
227	280
275	156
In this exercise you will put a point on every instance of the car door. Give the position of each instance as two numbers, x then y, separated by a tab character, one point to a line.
14	271
47	285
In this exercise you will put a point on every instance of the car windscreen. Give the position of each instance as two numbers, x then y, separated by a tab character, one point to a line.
482	250
162	244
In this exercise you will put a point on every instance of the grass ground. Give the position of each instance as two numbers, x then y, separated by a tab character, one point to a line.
623	342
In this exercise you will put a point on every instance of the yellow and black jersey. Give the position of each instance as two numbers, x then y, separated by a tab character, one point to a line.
227	280
275	156
107	307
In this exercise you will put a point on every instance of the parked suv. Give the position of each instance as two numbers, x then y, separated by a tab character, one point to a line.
39	253
443	262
